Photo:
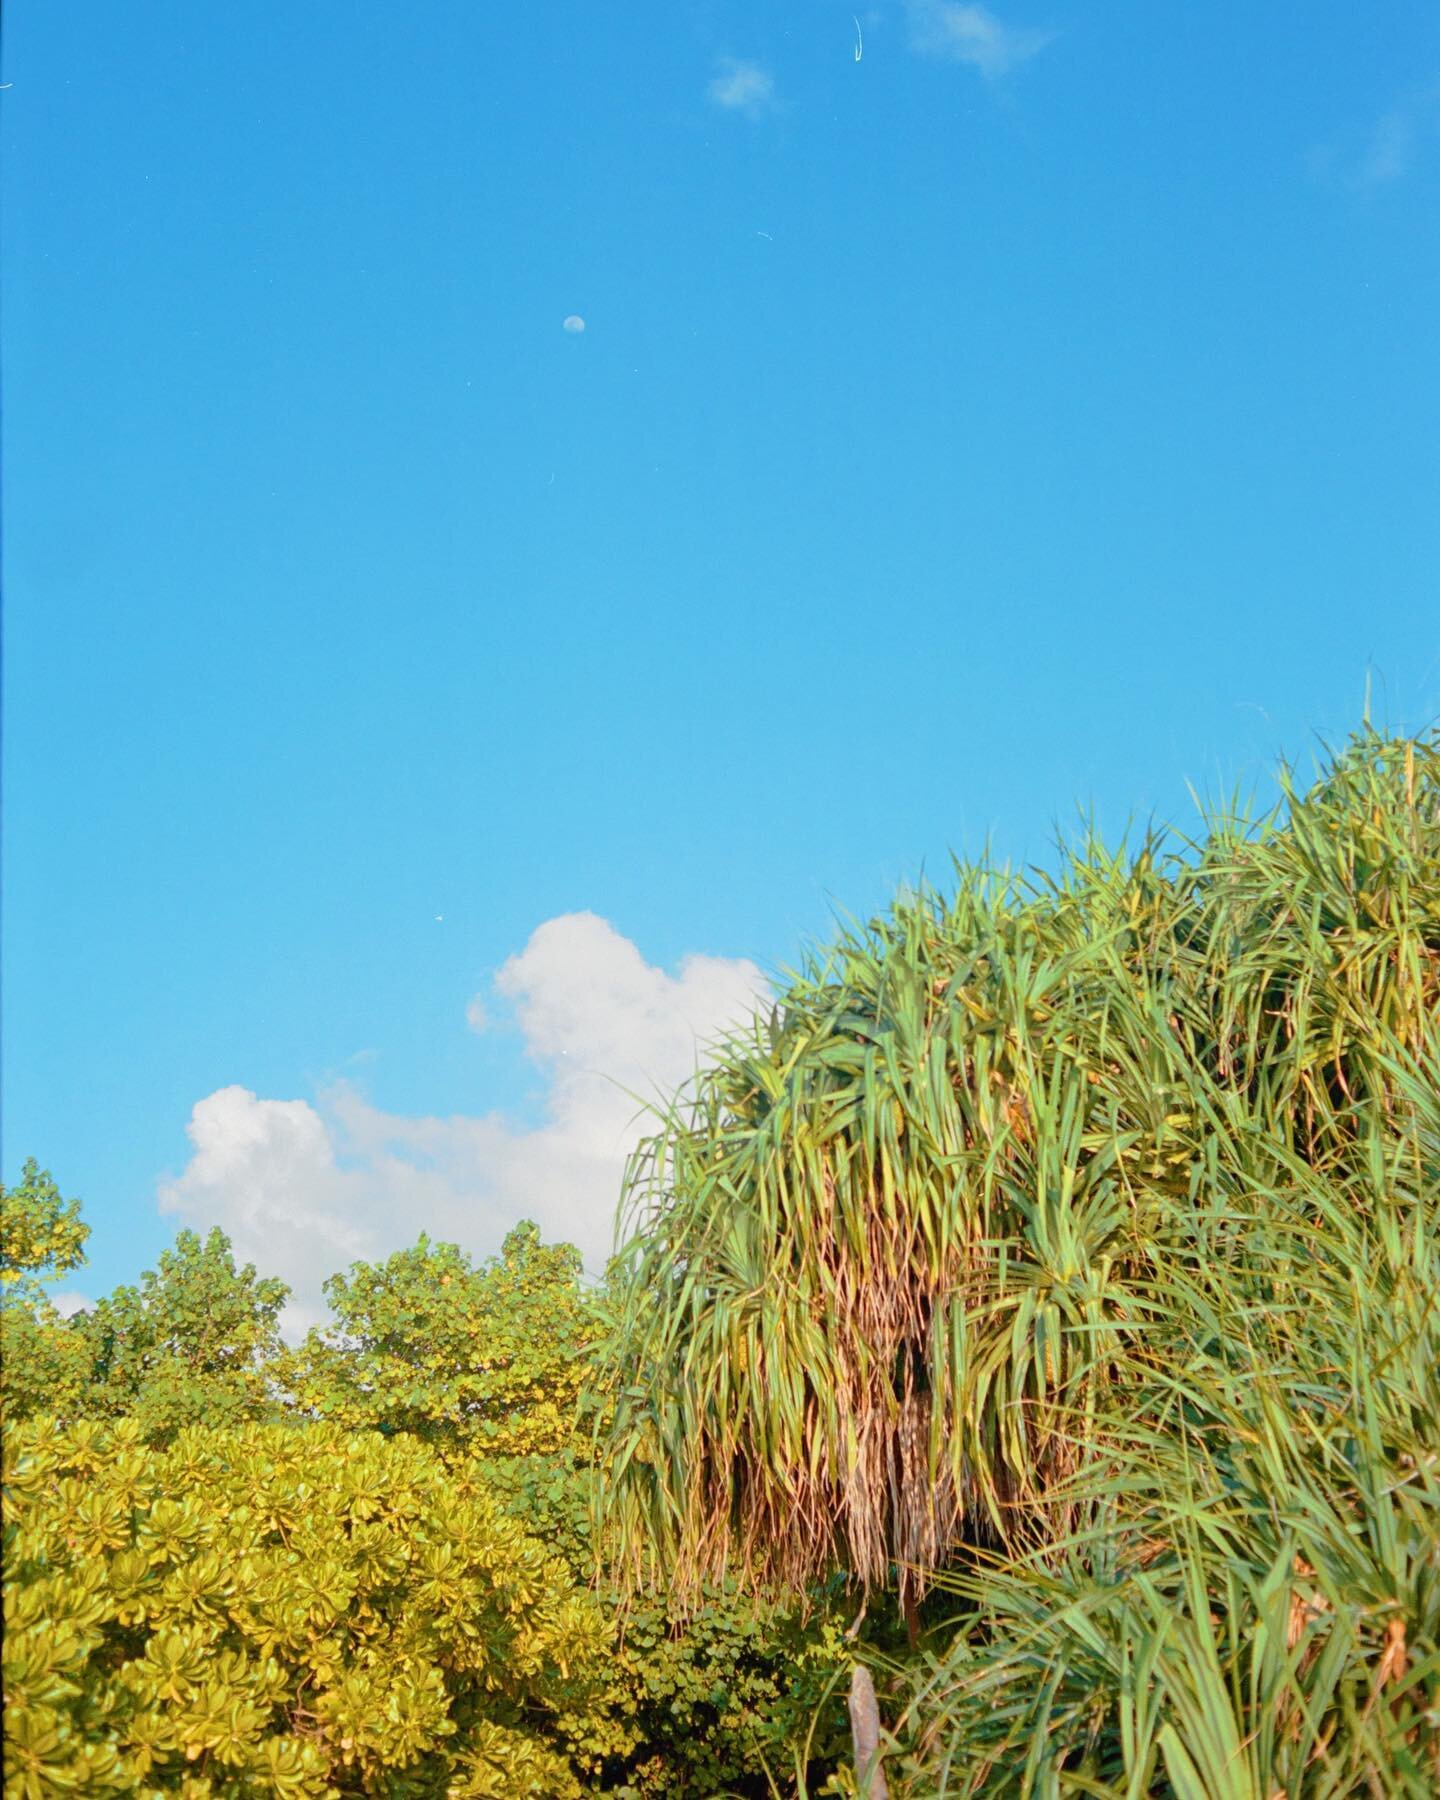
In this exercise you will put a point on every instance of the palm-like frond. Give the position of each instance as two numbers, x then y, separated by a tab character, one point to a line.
904	1257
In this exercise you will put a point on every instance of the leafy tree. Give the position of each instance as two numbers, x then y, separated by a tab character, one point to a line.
1072	1241
490	1365
42	1235
43	1359
723	1688
287	1610
487	1358
44	1362
190	1345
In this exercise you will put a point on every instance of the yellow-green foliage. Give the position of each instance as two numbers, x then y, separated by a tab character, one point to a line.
1075	1243
41	1234
893	1246
286	1610
424	1342
483	1366
45	1361
188	1345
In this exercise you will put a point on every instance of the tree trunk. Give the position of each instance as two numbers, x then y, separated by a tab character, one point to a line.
865	1735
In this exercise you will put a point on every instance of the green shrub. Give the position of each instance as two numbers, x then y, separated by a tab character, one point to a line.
191	1345
287	1610
892	1243
1072	1243
723	1692
45	1361
491	1362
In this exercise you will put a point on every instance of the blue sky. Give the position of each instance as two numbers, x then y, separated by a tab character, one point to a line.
1039	410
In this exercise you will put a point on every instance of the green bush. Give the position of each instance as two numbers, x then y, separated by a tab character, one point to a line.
193	1344
42	1236
190	1345
491	1361
45	1361
1070	1248
462	1357
484	1366
287	1610
723	1692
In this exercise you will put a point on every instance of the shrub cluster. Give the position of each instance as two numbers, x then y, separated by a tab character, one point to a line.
287	1610
437	1385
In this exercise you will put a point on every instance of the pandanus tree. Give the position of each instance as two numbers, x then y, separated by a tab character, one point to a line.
896	1254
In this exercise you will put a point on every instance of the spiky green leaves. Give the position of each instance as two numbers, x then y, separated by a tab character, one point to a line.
896	1255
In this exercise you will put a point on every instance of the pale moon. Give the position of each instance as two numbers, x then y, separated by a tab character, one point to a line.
574	323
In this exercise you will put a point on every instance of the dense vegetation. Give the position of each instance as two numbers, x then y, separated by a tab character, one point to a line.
1048	1292
1071	1242
365	1564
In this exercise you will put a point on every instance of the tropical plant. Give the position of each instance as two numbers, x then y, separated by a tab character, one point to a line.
286	1610
190	1345
724	1688
890	1246
487	1364
1253	1608
43	1359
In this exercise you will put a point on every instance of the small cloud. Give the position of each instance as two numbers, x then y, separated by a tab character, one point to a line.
971	35
476	1016
573	323
743	87
68	1304
1397	138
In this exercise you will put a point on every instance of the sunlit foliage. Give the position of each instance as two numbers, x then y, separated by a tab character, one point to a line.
286	1610
491	1363
891	1246
189	1345
490	1358
42	1235
1072	1242
1068	1247
43	1361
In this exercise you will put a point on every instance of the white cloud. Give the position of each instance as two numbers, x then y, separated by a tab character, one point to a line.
70	1303
971	35
1397	138
305	1189
743	87
1391	147
1390	151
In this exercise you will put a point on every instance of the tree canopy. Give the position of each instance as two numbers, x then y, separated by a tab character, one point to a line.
191	1344
491	1357
1060	1259
42	1235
